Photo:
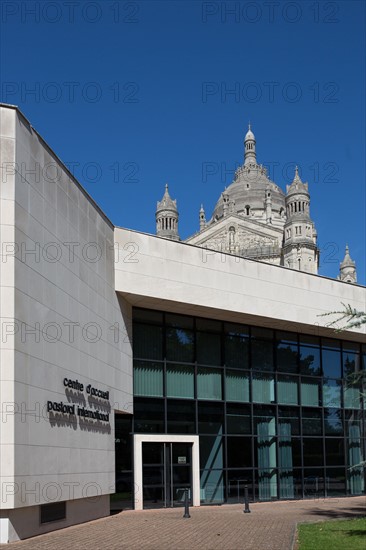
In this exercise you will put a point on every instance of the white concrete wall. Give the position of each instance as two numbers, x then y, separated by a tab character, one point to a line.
45	291
7	279
157	273
25	522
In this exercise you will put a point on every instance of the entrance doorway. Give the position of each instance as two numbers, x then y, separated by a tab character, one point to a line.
166	474
164	467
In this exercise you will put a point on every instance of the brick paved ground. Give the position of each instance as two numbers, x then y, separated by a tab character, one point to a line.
269	526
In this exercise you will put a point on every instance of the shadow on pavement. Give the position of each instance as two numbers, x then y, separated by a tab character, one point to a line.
352	512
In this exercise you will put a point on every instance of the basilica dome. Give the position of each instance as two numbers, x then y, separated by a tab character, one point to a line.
247	194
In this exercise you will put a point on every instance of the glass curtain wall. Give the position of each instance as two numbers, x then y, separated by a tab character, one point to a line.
280	412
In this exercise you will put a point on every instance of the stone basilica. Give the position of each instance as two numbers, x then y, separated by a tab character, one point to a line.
254	218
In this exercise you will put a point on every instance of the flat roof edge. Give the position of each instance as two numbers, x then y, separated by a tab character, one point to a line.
52	152
358	285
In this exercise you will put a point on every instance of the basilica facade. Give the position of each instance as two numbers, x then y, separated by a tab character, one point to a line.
254	218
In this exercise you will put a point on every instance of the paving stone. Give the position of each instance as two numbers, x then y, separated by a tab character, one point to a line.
269	526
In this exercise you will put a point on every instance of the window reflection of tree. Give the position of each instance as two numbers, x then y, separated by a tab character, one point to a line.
179	344
333	424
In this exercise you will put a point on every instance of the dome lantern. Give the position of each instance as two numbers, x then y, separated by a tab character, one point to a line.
249	148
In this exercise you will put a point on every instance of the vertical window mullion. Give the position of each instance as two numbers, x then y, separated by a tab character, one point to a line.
324	454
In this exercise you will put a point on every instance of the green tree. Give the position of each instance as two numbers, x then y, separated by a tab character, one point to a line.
349	316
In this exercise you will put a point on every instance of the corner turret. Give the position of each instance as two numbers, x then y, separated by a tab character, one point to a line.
347	269
300	248
167	217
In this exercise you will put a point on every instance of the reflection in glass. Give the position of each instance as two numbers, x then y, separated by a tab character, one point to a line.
311	422
333	422
211	452
351	363
179	344
212	486
262	355
287	352
331	361
332	393
355	477
352	396
354	418
211	462
310	360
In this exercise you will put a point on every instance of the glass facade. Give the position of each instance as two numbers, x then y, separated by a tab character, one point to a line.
278	411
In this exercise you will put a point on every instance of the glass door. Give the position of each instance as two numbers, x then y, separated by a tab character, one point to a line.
181	472
153	475
167	473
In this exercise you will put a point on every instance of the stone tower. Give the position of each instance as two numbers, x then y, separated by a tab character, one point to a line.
300	250
347	269
167	217
202	218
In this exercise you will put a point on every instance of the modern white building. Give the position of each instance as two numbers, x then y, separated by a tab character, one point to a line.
157	365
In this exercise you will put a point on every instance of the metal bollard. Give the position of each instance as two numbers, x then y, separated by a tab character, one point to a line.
246	500
186	505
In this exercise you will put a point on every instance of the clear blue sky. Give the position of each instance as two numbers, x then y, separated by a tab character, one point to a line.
143	88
